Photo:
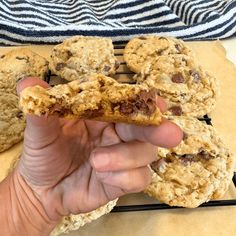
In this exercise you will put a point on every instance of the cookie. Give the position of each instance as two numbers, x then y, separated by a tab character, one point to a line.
199	169
81	55
7	83
22	62
185	86
94	96
148	47
19	63
74	222
12	121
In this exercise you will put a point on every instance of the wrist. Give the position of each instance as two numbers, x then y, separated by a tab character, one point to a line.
23	213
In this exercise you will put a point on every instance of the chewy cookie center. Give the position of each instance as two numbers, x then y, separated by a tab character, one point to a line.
185	159
144	102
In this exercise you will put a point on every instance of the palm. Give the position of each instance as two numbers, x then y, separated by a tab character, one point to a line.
64	159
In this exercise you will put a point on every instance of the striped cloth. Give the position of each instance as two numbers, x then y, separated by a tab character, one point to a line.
50	21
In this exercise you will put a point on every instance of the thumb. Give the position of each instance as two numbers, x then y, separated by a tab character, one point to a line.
39	129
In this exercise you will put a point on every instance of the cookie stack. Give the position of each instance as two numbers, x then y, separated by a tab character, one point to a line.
200	168
14	66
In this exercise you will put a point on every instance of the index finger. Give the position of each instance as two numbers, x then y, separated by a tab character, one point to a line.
166	135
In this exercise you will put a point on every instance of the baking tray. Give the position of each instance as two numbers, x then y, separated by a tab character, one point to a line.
124	75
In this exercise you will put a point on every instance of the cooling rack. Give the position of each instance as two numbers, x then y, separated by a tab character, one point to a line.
124	75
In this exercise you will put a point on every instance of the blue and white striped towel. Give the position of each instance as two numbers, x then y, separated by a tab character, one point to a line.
50	21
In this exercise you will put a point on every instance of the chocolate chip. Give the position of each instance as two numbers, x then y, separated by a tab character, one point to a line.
93	113
106	68
69	53
185	159
145	107
178	48
2	56
185	61
195	75
144	102
178	78
168	158
148	95
162	38
183	95
102	84
126	108
158	93
117	64
142	38
205	155
160	51
60	66
157	164
22	58
185	136
188	156
148	101
176	110
19	115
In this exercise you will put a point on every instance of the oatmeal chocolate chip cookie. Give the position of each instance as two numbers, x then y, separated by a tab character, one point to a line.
80	55
12	121
199	169
19	63
22	62
74	222
147	48
94	96
186	87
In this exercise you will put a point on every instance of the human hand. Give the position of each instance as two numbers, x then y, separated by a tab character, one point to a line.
75	166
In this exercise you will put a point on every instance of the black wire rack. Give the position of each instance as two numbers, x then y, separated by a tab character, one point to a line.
124	75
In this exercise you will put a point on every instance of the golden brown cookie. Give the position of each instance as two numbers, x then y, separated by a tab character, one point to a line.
147	48
20	63
12	121
186	87
94	96
199	169
80	55
74	222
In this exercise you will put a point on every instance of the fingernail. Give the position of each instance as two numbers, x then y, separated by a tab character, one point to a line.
99	161
102	175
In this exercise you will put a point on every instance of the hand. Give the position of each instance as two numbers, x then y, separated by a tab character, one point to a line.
75	166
